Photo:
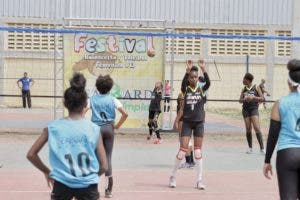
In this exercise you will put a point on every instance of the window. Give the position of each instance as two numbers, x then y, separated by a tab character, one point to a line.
237	47
283	47
189	46
30	41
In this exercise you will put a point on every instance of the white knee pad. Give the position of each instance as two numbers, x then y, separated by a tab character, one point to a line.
181	153
198	153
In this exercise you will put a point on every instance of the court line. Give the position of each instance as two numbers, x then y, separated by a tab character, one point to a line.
144	191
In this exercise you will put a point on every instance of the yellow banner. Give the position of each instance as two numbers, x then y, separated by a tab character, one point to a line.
134	63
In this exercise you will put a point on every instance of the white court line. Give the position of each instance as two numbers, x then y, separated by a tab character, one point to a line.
143	191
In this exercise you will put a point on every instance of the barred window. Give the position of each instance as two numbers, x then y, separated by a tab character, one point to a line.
30	41
236	47
189	46
283	47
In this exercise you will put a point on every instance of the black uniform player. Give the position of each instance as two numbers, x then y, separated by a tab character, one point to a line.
250	97
154	111
189	158
193	115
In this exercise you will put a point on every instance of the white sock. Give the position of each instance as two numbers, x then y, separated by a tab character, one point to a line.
176	166
106	182
199	169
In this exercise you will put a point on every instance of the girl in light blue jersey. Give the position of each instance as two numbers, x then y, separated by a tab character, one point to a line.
104	108
285	128
76	152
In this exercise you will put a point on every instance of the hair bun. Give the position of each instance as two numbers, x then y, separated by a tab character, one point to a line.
293	65
78	82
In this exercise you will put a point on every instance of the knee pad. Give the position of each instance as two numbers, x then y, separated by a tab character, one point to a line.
198	153
150	125
181	153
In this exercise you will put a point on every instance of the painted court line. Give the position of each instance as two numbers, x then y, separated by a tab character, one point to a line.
140	191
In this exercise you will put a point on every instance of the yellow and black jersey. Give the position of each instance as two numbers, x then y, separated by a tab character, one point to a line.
194	100
155	100
250	91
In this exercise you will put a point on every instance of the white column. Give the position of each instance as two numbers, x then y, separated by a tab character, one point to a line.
296	29
270	62
2	62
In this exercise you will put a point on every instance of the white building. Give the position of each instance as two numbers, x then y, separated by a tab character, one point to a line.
34	52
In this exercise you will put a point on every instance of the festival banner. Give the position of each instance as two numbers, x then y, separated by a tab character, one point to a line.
134	62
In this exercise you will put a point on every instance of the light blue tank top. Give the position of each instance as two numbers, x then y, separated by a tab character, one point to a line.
289	110
103	109
72	152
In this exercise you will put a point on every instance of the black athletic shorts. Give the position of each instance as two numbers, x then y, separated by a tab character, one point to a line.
197	128
250	112
167	99
63	192
153	114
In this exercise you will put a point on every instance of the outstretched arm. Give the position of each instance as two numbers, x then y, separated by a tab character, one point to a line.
189	65
201	64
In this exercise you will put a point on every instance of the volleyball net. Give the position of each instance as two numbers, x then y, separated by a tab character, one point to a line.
136	59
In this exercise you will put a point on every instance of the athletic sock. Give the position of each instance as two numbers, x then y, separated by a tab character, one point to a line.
150	131
192	157
106	182
249	139
199	169
157	134
260	140
188	159
176	166
110	183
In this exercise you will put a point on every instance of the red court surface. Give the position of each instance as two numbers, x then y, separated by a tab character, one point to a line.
142	169
148	184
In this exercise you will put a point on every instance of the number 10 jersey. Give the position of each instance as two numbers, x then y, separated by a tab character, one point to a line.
72	152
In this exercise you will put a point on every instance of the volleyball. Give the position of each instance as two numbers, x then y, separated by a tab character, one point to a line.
151	53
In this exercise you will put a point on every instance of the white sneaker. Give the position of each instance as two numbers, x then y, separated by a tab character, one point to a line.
172	182
200	185
262	152
249	151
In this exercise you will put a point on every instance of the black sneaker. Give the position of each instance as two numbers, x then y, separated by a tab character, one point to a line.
108	193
